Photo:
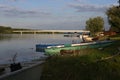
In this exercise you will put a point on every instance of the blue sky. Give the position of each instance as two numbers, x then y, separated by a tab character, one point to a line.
52	14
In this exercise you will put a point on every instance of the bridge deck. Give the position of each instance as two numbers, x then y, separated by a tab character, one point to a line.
51	31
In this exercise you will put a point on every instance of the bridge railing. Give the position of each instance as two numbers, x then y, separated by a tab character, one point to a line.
49	31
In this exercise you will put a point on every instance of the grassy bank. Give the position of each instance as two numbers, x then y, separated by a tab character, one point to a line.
94	64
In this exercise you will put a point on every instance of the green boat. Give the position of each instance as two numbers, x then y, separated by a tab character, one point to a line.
56	50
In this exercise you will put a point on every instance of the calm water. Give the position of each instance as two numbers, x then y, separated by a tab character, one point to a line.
24	45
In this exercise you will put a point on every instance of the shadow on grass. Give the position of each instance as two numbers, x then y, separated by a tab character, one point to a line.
85	66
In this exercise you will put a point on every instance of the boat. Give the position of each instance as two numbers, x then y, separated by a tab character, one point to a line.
42	47
75	34
71	35
55	50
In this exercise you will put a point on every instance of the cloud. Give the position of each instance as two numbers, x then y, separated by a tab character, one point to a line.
15	0
3	6
9	11
24	13
88	7
80	1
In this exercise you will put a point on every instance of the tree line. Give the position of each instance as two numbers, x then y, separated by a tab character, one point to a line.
5	29
97	24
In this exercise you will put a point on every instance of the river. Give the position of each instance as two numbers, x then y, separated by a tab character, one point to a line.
24	45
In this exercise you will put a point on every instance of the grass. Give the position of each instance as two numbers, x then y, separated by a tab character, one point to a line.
84	67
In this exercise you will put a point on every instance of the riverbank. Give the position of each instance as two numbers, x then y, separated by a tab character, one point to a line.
94	64
32	72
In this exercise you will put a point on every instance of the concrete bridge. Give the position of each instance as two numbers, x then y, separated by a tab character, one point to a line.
50	31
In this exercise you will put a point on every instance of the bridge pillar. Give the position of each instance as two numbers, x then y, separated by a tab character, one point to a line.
21	33
34	32
53	33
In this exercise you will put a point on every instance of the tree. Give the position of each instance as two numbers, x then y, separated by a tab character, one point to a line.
95	25
4	29
113	14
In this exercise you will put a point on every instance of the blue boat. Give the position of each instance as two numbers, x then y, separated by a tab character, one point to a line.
96	44
42	47
53	48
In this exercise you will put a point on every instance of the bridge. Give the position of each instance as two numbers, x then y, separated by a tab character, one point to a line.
50	31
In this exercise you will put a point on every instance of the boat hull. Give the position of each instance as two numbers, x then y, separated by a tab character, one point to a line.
56	51
42	47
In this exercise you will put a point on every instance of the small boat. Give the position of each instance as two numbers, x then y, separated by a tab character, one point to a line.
71	35
55	50
75	34
42	47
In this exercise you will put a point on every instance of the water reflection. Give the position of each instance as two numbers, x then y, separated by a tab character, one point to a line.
5	37
24	45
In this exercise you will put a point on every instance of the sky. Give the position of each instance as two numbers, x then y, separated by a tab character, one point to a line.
52	14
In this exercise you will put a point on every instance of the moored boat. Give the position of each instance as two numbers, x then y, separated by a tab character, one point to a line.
42	47
96	44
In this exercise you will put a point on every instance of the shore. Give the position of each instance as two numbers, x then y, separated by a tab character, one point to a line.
5	68
94	64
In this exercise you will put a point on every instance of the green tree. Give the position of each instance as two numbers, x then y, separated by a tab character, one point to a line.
95	25
113	14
